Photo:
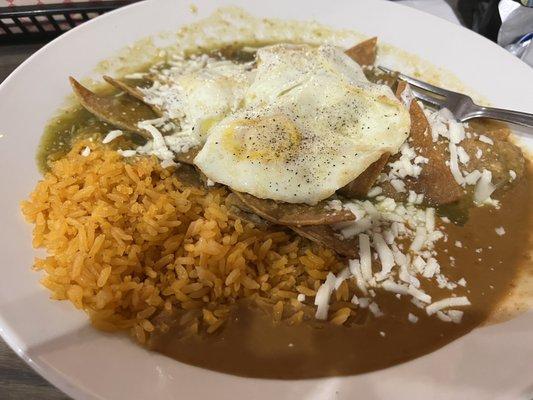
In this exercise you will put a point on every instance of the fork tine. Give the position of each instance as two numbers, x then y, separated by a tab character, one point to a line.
421	84
427	97
385	69
426	86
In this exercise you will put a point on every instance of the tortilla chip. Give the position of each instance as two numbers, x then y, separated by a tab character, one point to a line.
189	156
360	186
326	236
189	175
364	53
111	110
236	210
323	234
436	181
132	91
294	214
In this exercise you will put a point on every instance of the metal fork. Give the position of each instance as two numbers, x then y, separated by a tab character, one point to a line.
461	106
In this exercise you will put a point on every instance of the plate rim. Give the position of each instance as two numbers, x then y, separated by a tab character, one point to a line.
62	382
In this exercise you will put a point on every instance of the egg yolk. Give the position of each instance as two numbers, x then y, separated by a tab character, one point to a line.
265	139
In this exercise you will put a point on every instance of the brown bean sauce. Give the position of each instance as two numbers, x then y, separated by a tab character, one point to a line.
252	345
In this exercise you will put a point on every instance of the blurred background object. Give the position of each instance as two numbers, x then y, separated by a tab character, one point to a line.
516	31
506	22
43	20
481	16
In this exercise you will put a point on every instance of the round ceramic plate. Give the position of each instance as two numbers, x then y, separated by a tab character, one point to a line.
56	340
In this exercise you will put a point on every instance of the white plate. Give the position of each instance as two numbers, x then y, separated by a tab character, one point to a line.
491	362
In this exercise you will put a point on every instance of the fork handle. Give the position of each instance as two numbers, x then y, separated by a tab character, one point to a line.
516	117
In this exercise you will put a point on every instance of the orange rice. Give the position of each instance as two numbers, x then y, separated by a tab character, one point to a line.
127	241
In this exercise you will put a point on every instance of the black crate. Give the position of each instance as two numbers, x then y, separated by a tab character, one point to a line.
45	22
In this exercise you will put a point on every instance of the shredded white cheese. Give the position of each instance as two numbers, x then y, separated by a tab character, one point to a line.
376	190
355	269
500	231
323	296
419	294
447	303
456	316
419	239
364	302
418	303
374	309
112	136
443	123
408	165
385	256
168	163
391	286
472	178
432	267
443	316
454	164
464	158
398	185
484	187
126	153
343	275
412	197
430	219
485	139
365	257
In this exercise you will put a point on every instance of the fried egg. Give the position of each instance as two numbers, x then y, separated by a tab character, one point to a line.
310	123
